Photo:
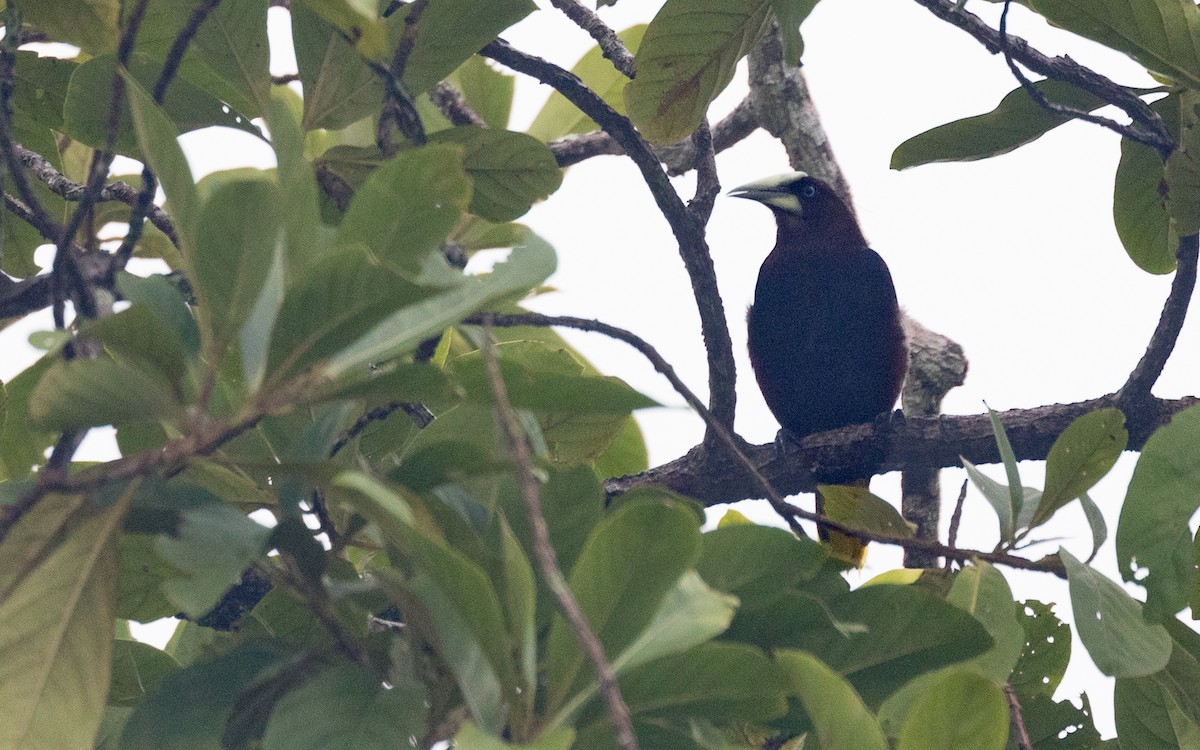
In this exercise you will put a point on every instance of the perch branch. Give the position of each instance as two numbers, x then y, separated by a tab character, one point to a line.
610	44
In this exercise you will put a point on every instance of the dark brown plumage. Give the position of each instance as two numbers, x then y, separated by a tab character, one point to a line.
825	337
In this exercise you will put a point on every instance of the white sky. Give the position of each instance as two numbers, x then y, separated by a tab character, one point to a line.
1016	257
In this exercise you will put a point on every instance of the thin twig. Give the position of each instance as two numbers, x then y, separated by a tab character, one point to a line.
1170	321
451	103
285	79
398	108
708	183
956	517
1059	68
611	45
1017	719
1129	131
618	711
693	247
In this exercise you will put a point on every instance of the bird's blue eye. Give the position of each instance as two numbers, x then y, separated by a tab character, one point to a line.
808	191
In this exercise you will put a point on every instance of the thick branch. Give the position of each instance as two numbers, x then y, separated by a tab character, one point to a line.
1174	311
862	451
688	232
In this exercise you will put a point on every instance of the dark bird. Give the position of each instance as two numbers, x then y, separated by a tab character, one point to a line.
825	337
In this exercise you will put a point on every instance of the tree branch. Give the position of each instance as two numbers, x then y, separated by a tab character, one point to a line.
451	103
693	247
611	45
1174	311
618	711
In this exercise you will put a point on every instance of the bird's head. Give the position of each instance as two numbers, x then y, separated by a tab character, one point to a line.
805	206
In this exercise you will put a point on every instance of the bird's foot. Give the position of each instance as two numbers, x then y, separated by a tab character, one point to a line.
785	438
889	422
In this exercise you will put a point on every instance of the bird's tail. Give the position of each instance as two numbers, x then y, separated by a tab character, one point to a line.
848	549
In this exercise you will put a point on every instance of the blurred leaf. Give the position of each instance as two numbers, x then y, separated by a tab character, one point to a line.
205	694
982	591
22	443
405	209
139	586
339	88
138	336
94	392
1153	532
792	13
559	117
1016	491
687	57
1061	725
85	112
345	708
40	89
626	454
756	563
840	720
1079	458
1110	625
58	573
527	266
1139	198
857	507
90	24
449	32
1016	121
519	601
163	298
510	171
631	561
137	669
1147	717
487	90
1096	523
364	30
212	546
961	711
1045	654
301	209
471	737
1162	35
997	496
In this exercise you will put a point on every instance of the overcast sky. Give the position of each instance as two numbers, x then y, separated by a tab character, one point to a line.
1016	257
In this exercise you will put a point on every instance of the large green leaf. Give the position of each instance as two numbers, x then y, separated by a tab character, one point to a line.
339	89
471	737
559	117
1079	458
1147	717
1139	206
90	24
961	711
630	562
1110	624
510	171
1163	35
487	90
228	57
982	591
93	392
686	58
1153	533
757	563
137	670
353	20
58	573
301	205
840	720
1045	654
345	708
449	32
1016	121
140	337
40	92
85	113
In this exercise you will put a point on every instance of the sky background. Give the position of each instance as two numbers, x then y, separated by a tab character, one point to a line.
1016	257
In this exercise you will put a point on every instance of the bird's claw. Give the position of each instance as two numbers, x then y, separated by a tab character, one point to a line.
783	439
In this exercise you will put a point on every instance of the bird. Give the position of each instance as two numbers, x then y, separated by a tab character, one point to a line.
824	331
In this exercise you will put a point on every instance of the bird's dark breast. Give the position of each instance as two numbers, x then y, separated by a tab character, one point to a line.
825	340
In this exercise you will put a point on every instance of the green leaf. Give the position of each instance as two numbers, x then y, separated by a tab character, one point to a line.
559	117
1139	206
229	56
22	442
1079	458
137	669
982	591
1016	121
139	587
626	454
686	58
449	32
1153	532
339	88
1147	717
961	711
205	694
405	209
527	266
345	708
1096	523
235	244
158	294
1016	491
792	13
157	138
139	336
301	206
85	112
354	21
756	563
520	601
997	496
487	90
212	546
40	92
510	171
857	507
471	737
1045	654
1163	35
90	24
631	561
93	392
1110	625
58	573
1061	725
840	720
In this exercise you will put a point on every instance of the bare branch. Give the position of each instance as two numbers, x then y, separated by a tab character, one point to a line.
1059	68
610	45
451	103
398	108
1174	311
618	711
708	183
693	247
